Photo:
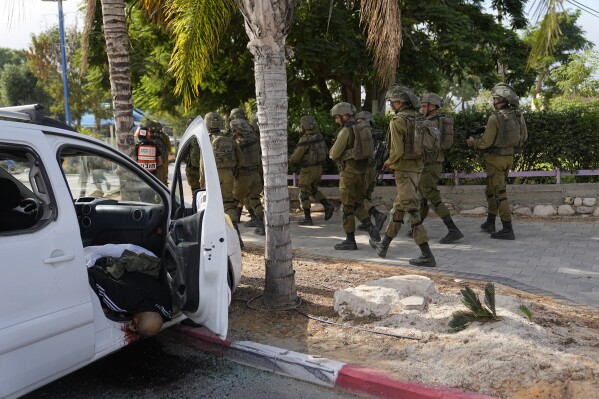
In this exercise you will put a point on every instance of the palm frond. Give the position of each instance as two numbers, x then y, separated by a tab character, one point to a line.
471	301
490	298
527	312
382	21
549	31
197	26
460	320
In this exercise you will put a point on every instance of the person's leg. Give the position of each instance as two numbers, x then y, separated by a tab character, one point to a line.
347	201
504	164
305	180
408	188
489	225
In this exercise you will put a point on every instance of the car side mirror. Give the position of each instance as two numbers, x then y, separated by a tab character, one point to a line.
199	200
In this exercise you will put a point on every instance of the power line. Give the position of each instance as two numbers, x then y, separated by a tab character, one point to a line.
583	7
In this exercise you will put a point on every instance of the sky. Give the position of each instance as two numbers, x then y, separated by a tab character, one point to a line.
21	18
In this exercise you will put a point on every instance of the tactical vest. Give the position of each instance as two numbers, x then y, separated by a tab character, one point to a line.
147	156
224	151
363	144
317	150
250	146
423	140
509	135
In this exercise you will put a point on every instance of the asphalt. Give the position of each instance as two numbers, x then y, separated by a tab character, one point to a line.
554	257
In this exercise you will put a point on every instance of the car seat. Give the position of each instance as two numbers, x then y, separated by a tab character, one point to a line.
10	198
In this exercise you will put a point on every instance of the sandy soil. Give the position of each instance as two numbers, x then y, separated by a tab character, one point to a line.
555	355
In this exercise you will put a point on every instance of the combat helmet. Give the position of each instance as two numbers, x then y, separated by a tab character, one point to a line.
214	122
365	115
432	98
241	125
403	94
506	93
237	113
342	109
308	122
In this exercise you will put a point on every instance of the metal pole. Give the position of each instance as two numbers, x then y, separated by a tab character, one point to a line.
65	83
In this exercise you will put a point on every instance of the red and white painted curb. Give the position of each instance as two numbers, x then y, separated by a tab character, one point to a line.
314	369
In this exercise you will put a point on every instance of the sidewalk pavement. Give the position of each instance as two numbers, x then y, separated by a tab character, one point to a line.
556	257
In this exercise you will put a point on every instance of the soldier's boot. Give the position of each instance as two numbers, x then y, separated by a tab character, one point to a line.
348	244
382	246
453	233
307	221
373	231
238	234
489	225
379	218
426	258
260	230
239	214
506	233
328	209
253	222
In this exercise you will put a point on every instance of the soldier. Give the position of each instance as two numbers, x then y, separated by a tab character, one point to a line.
352	167
504	133
228	159
407	169
147	153
427	187
164	145
248	182
370	180
310	154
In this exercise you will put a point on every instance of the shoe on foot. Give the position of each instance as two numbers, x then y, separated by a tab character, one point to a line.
424	261
504	234
346	245
452	236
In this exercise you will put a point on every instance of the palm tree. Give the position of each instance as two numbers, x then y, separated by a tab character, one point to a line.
117	51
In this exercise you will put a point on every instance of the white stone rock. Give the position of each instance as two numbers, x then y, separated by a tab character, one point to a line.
596	213
569	201
523	210
589	201
380	297
414	302
544	210
565	210
584	210
577	201
481	210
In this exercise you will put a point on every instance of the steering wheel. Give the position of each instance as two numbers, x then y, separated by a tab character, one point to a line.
31	207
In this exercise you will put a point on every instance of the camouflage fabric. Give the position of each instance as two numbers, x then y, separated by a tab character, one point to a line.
406	202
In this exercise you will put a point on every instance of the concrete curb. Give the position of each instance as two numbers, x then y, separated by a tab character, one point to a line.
316	370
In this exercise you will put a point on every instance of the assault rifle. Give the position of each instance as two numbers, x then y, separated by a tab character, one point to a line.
477	131
380	153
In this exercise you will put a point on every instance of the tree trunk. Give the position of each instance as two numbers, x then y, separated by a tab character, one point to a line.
266	25
117	50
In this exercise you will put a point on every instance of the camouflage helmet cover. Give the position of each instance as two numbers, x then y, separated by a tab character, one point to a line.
343	109
403	94
506	93
241	125
432	98
237	113
366	115
308	122
213	121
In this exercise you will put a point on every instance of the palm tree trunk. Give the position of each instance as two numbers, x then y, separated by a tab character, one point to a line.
117	50
271	96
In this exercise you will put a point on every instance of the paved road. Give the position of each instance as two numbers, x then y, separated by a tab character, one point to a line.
559	258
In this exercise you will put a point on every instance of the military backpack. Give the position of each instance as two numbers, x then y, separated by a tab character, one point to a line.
224	151
510	134
423	140
363	143
317	150
445	123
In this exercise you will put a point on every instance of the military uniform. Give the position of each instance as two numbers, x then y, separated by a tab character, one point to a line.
192	165
505	123
427	187
310	154
407	173
351	178
248	182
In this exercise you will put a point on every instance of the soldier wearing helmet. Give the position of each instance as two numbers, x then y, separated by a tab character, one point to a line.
370	177
407	172
310	154
229	158
351	177
164	145
147	153
505	132
248	181
427	187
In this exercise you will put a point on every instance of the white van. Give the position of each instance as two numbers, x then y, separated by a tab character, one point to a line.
64	193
